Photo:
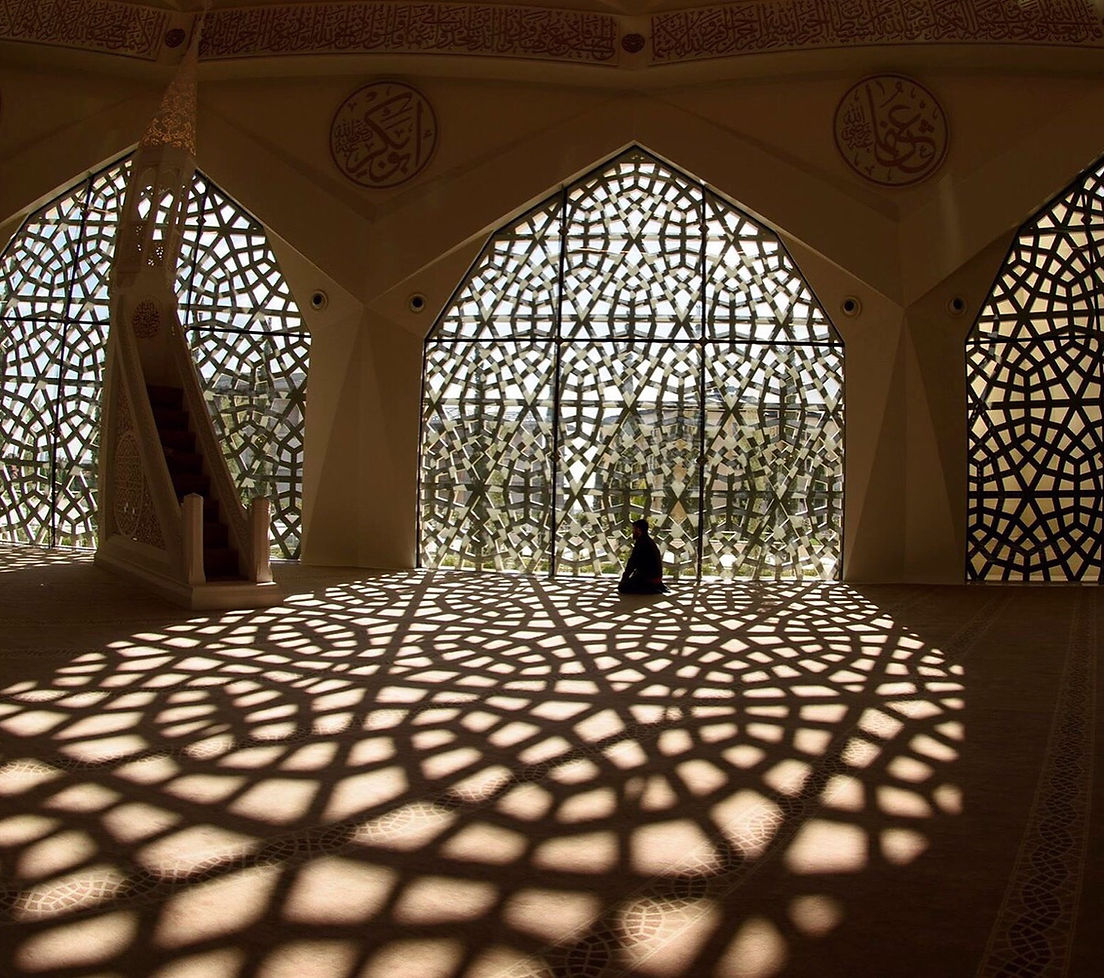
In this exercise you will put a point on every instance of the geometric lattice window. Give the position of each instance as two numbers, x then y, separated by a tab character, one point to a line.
633	345
1035	376
252	351
242	324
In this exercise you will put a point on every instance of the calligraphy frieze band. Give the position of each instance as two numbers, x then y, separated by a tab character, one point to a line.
891	130
574	36
784	25
95	25
441	28
383	134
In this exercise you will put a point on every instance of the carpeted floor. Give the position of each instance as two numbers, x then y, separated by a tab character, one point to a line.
421	774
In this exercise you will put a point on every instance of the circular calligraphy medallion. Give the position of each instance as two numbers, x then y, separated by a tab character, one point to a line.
383	134
891	130
633	43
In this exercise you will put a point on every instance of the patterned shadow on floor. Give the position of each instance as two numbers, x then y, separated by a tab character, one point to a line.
445	774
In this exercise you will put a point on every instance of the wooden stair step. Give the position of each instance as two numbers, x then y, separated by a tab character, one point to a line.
220	562
171	419
177	439
181	461
215	535
160	394
189	482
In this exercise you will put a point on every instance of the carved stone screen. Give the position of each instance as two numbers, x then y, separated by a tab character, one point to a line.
1035	370
242	323
634	345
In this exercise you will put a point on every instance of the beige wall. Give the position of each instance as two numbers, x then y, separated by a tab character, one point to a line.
1020	129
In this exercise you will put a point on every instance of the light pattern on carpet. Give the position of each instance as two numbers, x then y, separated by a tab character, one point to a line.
447	774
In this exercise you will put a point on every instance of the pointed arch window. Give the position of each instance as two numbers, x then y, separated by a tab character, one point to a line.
1035	390
633	345
241	322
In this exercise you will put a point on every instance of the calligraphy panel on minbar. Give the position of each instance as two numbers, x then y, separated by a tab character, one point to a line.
97	25
383	134
436	28
788	25
891	130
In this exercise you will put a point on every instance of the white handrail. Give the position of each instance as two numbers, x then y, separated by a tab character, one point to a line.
191	513
222	485
259	555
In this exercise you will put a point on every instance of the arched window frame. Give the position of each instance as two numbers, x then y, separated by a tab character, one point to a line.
1034	380
244	327
451	458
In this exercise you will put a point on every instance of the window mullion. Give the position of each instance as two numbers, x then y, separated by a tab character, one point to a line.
702	383
557	343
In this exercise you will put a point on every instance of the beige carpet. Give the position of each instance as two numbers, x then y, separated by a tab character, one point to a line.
419	774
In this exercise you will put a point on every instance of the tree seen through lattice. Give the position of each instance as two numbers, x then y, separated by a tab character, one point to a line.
774	487
52	325
619	283
241	321
487	417
629	424
1035	373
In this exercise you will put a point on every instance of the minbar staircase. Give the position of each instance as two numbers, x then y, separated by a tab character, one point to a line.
170	514
211	552
220	559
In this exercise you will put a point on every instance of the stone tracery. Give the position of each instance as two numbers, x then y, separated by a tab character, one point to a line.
241	321
1035	366
634	345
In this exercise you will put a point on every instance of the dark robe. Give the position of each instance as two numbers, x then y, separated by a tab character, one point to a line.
644	570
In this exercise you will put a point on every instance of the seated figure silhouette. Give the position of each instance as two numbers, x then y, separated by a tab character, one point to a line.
644	570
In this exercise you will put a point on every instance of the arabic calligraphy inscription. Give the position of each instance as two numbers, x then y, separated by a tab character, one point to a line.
130	29
146	319
891	130
752	26
383	134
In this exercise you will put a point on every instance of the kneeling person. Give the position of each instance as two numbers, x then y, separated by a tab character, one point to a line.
644	570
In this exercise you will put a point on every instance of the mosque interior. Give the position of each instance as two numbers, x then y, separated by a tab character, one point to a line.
456	291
